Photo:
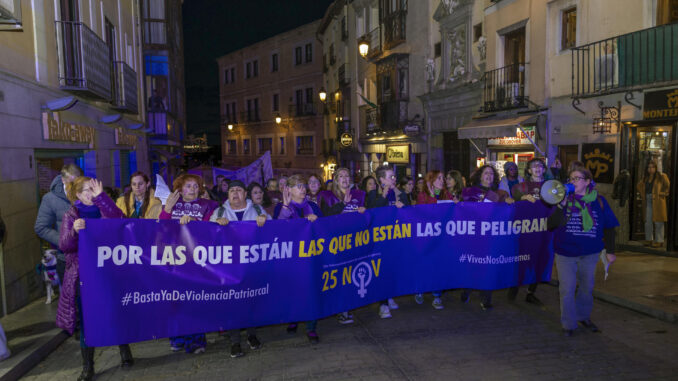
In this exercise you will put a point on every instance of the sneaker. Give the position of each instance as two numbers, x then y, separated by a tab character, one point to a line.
392	304
438	304
419	298
345	318
313	337
176	348
530	298
236	350
588	324
292	328
465	296
512	294
486	306
254	342
384	312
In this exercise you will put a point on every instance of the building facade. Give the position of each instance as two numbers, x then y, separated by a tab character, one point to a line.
164	89
70	78
617	107
269	102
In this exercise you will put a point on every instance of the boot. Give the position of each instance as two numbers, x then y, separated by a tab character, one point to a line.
87	364
126	359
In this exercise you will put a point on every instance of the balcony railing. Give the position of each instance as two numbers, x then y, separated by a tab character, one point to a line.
84	64
633	61
229	119
505	88
124	88
343	74
303	109
373	38
395	28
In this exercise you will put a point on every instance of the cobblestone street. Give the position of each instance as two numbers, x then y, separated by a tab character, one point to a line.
514	341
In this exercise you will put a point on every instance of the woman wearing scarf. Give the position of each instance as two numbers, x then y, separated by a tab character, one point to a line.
139	202
434	191
341	199
295	205
185	205
484	188
89	201
584	227
387	194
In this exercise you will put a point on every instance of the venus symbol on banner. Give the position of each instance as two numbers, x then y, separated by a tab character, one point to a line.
362	271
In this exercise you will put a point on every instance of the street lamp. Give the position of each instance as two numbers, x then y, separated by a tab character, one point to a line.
363	48
322	94
278	119
230	127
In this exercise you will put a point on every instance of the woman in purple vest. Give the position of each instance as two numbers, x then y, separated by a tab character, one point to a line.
294	205
342	199
185	205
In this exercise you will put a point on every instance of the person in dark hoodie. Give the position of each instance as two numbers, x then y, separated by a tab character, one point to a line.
54	205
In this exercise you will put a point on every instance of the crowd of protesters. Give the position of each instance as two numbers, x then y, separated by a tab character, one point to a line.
583	226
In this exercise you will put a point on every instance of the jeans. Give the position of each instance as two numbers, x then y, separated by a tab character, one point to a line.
234	334
576	277
649	224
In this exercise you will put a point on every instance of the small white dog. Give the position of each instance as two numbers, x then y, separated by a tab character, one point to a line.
48	272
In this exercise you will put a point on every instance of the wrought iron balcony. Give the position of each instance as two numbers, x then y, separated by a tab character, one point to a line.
229	119
344	74
158	123
505	88
303	109
395	29
633	61
124	88
84	65
373	39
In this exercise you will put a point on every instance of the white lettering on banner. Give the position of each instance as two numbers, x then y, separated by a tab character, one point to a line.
136	297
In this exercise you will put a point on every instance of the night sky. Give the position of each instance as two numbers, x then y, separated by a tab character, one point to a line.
213	28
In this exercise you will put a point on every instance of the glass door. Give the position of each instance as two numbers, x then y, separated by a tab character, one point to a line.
652	143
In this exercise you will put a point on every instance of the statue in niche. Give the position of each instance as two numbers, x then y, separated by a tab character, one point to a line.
457	38
430	70
482	47
449	5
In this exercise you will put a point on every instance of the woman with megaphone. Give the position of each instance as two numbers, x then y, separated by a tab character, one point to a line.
583	225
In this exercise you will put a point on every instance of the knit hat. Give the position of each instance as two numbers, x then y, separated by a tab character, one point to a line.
508	165
237	183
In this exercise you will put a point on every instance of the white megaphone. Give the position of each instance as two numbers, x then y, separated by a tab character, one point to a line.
553	191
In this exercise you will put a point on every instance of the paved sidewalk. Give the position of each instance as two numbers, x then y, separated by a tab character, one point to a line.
515	341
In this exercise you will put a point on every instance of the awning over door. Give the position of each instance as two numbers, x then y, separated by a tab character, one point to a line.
495	128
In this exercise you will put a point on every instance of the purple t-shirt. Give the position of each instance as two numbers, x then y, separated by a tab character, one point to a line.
571	241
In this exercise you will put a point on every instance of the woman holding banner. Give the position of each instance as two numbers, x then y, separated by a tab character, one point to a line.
484	188
185	204
434	191
138	201
255	192
88	201
342	199
583	227
387	194
238	208
295	205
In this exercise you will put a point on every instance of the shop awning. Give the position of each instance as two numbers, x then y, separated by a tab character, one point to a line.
495	128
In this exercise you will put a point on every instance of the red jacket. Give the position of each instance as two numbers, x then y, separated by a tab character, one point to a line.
426	198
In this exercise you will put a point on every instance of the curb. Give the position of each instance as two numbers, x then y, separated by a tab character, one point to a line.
34	357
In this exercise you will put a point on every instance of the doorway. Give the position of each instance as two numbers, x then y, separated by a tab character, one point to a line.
652	143
567	154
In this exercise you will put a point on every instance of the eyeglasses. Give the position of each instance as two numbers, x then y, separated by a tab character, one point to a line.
576	178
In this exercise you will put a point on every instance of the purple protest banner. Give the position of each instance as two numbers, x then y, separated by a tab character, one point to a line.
142	279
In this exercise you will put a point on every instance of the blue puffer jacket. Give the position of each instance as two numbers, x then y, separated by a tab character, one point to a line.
52	209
